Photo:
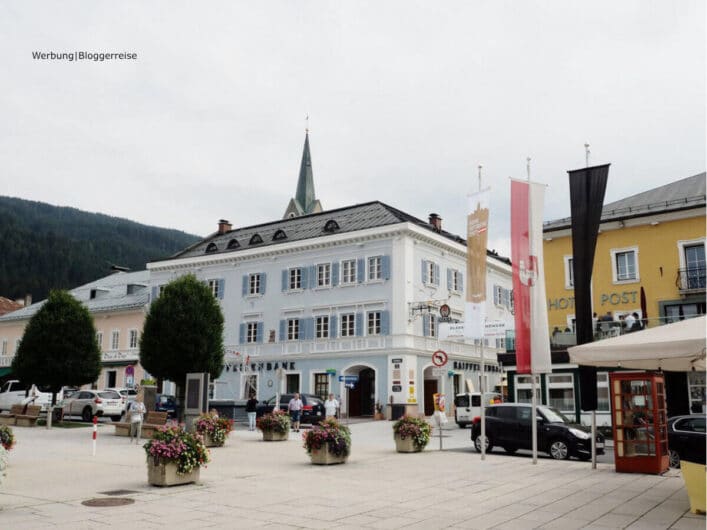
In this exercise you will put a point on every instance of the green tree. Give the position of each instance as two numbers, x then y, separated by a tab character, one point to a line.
59	346
183	333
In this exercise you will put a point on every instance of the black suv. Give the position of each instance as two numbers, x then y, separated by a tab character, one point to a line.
509	426
312	407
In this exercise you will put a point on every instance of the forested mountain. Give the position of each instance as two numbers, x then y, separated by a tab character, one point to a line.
43	247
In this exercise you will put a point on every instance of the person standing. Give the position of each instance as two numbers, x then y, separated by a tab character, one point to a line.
251	407
137	413
295	408
331	406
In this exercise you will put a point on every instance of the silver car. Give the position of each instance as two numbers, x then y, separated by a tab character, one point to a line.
90	403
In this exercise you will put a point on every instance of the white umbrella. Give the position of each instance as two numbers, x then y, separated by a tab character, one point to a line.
678	347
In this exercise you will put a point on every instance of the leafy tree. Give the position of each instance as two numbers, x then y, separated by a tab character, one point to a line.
183	333
59	346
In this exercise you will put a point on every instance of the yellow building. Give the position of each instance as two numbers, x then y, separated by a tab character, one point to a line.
652	242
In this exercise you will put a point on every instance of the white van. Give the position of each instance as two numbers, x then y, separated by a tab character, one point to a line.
467	406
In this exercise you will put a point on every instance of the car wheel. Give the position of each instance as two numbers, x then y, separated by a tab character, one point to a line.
477	444
674	459
87	414
510	450
559	450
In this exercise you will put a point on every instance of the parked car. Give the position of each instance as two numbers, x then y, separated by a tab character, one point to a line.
686	439
126	394
312	407
467	406
509	426
168	404
90	403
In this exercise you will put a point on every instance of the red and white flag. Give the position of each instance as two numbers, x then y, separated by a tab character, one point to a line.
532	335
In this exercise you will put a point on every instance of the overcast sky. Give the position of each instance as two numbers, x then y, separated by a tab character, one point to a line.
405	100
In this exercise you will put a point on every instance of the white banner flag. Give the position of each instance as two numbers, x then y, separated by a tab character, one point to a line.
476	237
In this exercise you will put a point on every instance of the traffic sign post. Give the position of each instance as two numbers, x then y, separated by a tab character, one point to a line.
439	358
348	379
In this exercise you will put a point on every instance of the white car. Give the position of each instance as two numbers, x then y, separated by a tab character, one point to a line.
127	395
90	403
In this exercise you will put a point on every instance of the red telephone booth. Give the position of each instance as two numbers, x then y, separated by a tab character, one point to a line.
639	422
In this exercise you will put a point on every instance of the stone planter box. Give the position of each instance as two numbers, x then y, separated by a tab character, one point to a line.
6	419
324	457
273	436
165	474
209	442
406	445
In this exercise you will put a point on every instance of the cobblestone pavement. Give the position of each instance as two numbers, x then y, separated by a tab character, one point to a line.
251	483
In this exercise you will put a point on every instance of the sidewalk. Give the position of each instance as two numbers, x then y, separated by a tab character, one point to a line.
251	483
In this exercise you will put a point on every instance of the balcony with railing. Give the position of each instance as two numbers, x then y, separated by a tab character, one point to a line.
691	280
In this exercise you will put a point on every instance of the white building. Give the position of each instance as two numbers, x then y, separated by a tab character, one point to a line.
351	291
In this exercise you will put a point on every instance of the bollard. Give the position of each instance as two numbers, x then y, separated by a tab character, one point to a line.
95	432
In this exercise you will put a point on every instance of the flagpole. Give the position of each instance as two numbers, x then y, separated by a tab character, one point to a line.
533	399
482	382
594	412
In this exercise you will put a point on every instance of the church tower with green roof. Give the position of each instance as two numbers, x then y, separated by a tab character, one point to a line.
305	201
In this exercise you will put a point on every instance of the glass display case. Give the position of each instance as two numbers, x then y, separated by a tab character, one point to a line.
639	422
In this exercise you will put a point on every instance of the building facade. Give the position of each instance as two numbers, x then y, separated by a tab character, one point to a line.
117	304
349	292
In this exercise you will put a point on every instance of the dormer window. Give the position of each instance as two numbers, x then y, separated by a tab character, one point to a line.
233	244
211	247
279	235
331	226
255	239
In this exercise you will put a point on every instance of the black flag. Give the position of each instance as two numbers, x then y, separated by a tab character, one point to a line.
587	187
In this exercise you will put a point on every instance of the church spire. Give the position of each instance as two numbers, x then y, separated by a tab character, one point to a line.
305	201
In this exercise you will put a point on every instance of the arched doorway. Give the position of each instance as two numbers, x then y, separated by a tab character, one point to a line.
362	397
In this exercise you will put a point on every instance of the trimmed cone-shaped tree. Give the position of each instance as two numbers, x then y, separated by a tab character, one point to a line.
59	346
183	333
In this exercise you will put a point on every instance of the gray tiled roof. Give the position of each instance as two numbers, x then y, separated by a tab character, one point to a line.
349	219
682	194
112	295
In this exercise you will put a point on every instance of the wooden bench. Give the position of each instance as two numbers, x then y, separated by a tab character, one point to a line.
153	421
29	417
10	418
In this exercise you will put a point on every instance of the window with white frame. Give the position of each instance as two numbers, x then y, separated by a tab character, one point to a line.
374	323
692	264
456	279
431	273
322	327
99	339
324	275
348	325
114	340
603	392
295	278
569	272
560	392
293	329
624	264
213	287
133	338
348	271
502	297
254	282
524	389
375	268
4	347
251	332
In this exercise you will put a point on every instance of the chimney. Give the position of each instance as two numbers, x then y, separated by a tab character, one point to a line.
224	226
436	222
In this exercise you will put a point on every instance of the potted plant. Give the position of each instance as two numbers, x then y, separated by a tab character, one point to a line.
174	456
411	434
7	437
213	429
328	443
275	426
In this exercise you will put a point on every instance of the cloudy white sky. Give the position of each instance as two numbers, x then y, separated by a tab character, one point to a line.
405	100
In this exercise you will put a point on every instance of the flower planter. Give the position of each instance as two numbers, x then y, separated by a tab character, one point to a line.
165	474
209	442
324	457
406	445
274	436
